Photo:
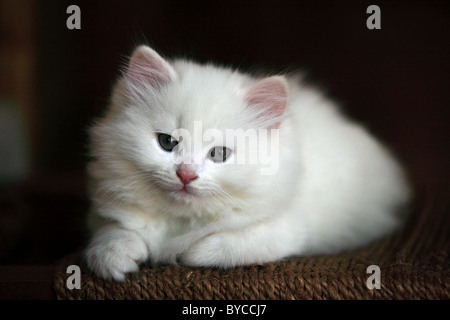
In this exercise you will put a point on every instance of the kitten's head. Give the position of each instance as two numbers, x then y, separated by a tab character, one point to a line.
178	123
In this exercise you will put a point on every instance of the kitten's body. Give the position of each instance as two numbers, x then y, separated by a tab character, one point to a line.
336	187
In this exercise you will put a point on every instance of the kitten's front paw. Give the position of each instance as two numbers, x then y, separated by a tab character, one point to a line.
115	252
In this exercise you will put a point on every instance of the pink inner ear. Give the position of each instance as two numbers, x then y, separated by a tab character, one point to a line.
148	67
270	94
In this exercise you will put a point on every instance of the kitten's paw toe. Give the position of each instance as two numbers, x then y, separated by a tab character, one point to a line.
113	255
119	271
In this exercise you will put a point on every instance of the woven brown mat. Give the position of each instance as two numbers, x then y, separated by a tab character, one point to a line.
414	264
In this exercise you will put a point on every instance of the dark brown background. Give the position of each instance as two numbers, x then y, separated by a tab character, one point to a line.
395	80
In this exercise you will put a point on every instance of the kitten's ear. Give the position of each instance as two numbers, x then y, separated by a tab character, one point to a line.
268	97
147	67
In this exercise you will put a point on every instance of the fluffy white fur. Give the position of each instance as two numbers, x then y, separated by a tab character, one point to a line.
336	188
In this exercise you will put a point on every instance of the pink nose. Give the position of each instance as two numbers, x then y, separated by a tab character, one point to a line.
186	175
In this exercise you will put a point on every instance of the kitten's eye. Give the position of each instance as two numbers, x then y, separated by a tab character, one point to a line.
167	142
219	154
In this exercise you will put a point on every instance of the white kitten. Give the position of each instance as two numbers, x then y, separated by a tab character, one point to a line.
331	186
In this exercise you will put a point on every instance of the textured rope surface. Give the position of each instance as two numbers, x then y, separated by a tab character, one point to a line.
414	264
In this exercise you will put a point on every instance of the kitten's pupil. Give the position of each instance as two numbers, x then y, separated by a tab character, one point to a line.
167	142
219	154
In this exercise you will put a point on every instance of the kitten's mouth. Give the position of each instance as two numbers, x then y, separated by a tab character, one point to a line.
185	192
